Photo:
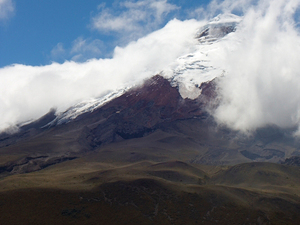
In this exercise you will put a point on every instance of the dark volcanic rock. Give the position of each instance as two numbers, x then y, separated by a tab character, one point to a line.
293	161
28	130
154	102
32	163
213	32
139	111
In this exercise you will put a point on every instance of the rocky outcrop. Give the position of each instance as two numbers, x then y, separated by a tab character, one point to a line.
31	163
27	130
293	161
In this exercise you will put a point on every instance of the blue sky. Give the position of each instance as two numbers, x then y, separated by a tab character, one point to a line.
38	32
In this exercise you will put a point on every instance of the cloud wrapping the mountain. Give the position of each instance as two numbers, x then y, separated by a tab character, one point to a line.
28	92
262	63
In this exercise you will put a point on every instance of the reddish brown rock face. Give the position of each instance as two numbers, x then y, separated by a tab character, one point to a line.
141	110
157	101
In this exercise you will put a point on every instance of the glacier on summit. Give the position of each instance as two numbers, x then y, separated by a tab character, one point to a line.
189	71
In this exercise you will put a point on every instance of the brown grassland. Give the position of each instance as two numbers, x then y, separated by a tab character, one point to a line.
90	191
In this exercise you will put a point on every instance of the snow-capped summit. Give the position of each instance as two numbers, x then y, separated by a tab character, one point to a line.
172	107
191	70
187	73
218	27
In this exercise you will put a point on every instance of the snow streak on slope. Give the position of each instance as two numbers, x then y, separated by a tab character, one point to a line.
86	106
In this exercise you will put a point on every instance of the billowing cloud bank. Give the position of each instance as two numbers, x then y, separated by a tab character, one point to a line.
28	92
262	63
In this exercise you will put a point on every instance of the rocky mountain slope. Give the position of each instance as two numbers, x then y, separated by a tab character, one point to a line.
177	103
151	116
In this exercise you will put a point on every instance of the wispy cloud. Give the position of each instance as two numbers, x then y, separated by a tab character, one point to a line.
6	9
132	18
84	49
230	6
80	50
58	52
216	7
125	21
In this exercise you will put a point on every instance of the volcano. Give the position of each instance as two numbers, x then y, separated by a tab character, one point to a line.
151	153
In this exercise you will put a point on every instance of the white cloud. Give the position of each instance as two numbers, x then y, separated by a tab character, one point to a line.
28	92
84	49
216	7
133	17
6	9
127	20
229	6
261	59
58	52
80	51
